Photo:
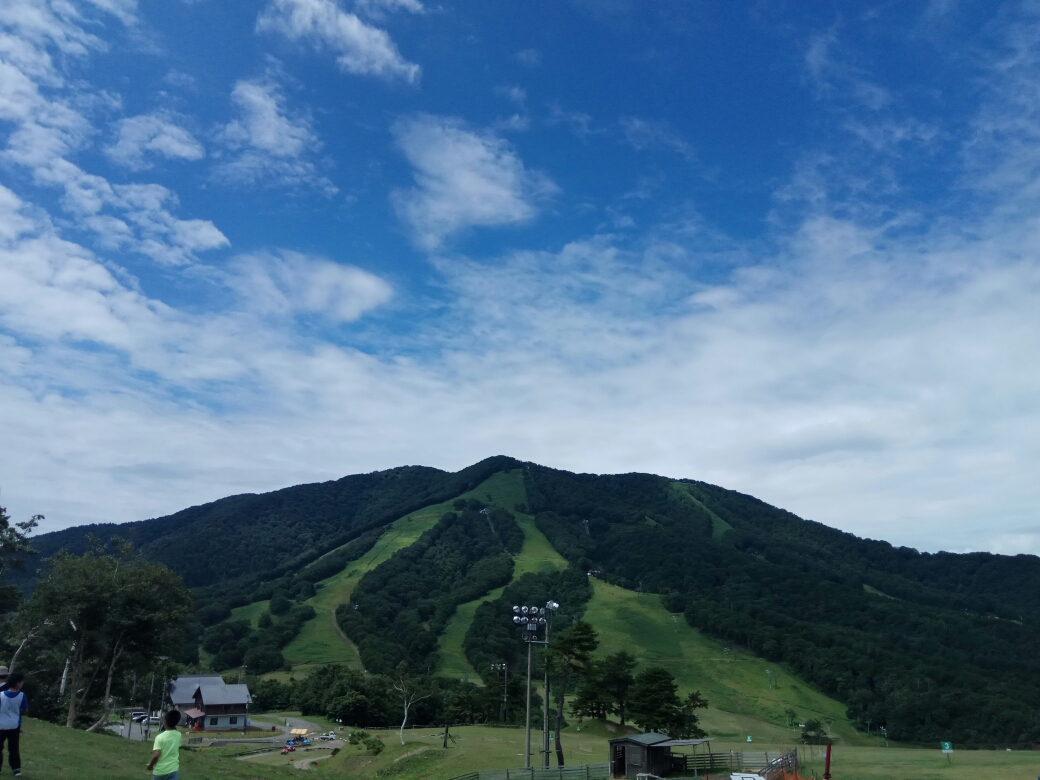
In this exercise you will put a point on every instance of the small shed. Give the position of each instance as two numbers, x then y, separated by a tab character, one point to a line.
649	753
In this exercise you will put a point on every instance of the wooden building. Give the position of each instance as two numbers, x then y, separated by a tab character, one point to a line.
207	701
648	754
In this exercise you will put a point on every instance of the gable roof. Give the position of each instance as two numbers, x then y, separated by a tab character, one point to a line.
650	738
212	688
182	688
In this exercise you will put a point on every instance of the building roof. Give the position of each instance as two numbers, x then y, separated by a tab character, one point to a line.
225	694
683	742
650	738
182	689
212	687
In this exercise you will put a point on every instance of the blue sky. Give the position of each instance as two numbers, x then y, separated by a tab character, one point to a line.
788	248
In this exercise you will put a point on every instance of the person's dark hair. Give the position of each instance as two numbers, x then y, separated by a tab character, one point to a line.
14	678
171	719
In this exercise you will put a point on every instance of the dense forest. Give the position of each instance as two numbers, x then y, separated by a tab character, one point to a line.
398	609
492	638
930	646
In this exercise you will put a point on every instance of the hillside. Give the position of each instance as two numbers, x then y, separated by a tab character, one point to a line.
930	645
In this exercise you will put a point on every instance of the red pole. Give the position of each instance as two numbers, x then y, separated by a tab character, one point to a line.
827	764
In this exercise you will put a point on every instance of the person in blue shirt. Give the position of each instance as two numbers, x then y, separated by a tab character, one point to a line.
12	704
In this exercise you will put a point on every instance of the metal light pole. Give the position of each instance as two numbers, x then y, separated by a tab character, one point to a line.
504	668
530	618
550	608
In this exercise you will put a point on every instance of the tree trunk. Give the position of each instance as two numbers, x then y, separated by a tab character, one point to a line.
86	689
77	658
407	704
559	718
107	704
446	727
30	635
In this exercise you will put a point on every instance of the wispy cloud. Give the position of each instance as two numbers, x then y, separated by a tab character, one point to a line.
294	283
530	58
463	178
832	72
650	134
268	145
157	134
579	122
359	47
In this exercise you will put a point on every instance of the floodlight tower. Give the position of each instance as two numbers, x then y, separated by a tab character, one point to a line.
529	618
550	609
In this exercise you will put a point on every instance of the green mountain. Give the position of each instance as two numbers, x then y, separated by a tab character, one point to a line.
931	646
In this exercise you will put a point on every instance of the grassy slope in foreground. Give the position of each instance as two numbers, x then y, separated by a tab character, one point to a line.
734	683
52	752
320	641
506	490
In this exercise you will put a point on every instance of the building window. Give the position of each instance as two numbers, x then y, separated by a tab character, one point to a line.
233	721
213	721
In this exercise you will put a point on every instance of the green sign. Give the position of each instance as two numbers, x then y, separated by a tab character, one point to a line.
947	747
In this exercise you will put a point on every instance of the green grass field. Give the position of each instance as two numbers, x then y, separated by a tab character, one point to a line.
251	612
477	747
52	752
734	683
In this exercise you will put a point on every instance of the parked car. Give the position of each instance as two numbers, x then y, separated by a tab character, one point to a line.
327	737
138	716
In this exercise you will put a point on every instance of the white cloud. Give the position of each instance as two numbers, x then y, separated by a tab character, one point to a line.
156	133
463	178
290	282
530	58
833	73
579	122
360	48
647	134
268	144
514	94
379	8
49	128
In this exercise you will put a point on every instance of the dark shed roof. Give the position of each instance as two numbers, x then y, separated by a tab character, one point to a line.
650	738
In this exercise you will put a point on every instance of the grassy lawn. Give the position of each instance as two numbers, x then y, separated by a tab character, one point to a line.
52	752
251	612
735	684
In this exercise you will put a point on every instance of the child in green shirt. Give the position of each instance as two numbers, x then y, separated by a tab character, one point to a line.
166	762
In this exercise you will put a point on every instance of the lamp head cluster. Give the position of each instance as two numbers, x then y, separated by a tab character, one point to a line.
529	615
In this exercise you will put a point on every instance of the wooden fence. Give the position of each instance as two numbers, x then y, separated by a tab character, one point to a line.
575	772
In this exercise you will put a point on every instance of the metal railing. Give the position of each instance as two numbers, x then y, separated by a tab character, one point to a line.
766	763
575	772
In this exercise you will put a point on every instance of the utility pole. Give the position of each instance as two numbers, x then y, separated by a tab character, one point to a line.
148	716
550	608
504	668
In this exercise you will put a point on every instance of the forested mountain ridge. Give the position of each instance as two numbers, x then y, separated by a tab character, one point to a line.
269	534
932	646
923	644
